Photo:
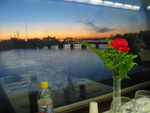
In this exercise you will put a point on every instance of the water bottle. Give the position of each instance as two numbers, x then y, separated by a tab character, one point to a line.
44	99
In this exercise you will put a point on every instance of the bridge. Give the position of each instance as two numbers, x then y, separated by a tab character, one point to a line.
97	44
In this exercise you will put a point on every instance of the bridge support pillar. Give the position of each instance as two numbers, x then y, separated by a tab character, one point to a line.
97	46
83	47
72	46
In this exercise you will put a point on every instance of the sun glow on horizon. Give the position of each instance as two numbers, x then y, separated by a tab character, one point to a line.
60	34
60	31
57	36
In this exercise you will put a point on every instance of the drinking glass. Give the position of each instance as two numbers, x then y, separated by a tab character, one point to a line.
142	101
126	105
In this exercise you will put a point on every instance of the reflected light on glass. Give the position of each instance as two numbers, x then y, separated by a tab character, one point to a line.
84	1
108	3
148	7
127	6
96	2
136	7
119	5
111	4
69	0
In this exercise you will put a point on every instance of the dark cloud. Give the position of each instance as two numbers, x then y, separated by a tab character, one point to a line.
97	28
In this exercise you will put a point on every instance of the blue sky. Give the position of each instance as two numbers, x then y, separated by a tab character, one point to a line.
65	19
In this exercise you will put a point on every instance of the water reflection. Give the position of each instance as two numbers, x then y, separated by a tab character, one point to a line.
77	62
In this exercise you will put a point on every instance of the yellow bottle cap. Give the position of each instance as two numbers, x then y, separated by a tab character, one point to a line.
44	84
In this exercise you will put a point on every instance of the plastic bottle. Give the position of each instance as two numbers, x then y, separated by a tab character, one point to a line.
44	100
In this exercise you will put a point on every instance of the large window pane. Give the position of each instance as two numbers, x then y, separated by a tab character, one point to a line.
34	46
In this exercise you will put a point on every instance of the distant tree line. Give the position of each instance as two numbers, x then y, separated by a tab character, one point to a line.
15	43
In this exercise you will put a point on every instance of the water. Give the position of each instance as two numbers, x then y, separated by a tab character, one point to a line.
48	64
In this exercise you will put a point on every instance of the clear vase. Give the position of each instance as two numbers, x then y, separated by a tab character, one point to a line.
116	93
116	87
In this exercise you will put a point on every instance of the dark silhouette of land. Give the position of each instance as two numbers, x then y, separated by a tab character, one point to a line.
136	42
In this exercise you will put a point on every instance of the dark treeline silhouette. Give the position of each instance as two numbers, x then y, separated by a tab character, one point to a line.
15	43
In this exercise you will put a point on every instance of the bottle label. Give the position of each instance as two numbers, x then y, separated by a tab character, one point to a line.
45	108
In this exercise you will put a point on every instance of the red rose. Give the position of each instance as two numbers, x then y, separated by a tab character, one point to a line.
120	44
123	49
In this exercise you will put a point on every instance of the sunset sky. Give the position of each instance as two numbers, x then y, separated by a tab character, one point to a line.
60	19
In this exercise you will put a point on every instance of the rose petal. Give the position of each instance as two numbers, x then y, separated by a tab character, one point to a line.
119	42
123	49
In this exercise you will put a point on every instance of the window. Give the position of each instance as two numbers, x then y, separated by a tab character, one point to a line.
35	38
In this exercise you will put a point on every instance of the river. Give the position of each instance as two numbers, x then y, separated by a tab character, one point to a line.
51	63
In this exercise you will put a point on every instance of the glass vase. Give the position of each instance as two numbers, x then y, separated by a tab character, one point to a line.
116	87
116	93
